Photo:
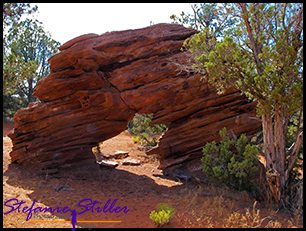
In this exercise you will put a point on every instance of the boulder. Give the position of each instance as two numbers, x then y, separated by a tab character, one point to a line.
98	82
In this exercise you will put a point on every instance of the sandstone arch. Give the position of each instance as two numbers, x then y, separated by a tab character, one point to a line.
98	82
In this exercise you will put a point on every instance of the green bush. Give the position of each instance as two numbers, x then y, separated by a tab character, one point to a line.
231	162
163	216
136	139
147	132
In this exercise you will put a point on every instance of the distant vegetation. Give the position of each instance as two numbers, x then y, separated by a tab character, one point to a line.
144	131
26	50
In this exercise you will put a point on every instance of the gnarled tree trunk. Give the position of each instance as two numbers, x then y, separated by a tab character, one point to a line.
279	163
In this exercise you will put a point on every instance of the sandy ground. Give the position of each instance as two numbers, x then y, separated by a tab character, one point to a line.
139	188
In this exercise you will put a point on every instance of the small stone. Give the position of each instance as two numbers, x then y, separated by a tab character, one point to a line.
119	154
107	163
130	161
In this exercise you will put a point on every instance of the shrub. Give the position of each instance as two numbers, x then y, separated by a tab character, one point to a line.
163	216
136	139
231	162
147	132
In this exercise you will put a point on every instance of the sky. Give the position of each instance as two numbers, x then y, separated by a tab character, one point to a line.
66	21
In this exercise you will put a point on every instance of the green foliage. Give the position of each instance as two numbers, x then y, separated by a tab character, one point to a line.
13	11
231	162
15	71
11	105
136	139
26	50
28	40
205	15
263	58
163	215
147	132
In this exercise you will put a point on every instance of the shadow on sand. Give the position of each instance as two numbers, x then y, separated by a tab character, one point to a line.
139	193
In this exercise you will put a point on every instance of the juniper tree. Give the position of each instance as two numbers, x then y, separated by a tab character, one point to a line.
263	57
26	50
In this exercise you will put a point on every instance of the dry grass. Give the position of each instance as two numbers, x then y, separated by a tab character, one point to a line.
211	207
248	220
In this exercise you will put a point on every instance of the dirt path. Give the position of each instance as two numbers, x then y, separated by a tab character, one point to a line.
139	188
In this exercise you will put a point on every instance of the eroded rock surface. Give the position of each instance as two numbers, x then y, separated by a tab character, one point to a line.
97	84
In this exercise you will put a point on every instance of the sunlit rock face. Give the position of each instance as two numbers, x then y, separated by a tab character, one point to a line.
97	84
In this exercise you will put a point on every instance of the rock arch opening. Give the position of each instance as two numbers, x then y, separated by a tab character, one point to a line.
127	148
97	84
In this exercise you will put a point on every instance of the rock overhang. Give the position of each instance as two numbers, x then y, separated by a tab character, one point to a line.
97	84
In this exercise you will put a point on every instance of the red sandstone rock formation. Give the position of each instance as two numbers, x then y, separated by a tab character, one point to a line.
98	83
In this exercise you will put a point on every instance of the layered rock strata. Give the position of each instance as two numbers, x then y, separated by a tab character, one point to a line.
97	84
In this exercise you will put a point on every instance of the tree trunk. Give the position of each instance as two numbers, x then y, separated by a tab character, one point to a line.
31	97
280	148
278	167
268	140
271	160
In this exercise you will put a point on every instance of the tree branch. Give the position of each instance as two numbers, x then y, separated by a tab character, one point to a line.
250	34
295	152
